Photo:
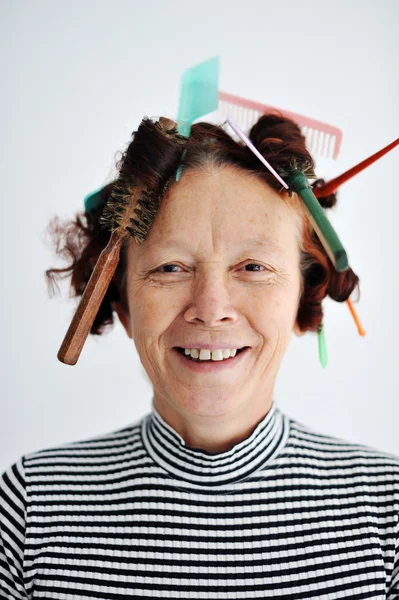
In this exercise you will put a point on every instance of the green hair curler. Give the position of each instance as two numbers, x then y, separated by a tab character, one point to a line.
297	182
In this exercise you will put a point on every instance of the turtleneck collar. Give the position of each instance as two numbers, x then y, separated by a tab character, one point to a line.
169	450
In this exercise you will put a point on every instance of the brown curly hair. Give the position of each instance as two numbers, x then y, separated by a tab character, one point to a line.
280	140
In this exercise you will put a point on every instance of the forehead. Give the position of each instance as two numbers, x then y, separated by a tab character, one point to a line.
222	206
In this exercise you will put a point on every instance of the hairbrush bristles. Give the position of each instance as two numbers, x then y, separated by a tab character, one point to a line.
305	167
149	162
295	165
140	227
116	210
131	205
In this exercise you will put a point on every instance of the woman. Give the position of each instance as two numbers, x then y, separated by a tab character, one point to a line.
216	493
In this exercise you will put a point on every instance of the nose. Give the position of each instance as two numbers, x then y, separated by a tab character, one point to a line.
211	302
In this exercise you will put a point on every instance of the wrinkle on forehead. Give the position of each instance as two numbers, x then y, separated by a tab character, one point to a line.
247	244
222	208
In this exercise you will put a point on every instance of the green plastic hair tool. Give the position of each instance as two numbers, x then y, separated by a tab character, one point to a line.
295	179
297	182
93	200
322	346
199	96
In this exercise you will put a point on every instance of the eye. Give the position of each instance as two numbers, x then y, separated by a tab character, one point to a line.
254	265
173	268
160	269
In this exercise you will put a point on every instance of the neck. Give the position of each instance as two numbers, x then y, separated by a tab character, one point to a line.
213	433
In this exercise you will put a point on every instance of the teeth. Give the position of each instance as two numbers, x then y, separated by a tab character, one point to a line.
204	354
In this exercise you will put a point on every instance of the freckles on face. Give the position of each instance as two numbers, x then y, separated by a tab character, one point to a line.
220	263
272	311
149	309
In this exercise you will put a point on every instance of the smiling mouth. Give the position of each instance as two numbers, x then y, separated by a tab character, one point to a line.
208	360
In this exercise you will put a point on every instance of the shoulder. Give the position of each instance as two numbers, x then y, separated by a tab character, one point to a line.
333	451
117	438
12	489
69	458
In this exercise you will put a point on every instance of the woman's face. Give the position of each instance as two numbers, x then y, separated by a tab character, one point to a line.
220	267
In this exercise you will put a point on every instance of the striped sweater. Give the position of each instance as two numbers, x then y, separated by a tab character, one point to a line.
286	513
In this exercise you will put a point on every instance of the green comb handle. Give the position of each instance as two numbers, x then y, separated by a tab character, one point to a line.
322	346
199	96
198	93
325	231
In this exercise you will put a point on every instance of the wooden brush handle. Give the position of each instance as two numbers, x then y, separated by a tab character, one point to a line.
92	297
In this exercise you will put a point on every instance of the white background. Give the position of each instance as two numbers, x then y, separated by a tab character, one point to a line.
77	76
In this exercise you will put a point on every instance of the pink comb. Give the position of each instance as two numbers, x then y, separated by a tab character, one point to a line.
321	138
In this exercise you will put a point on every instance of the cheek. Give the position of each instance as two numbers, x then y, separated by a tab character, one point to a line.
272	309
151	314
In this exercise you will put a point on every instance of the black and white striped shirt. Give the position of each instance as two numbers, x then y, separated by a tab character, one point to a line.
286	513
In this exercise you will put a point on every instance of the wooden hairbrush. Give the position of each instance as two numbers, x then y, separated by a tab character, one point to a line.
130	211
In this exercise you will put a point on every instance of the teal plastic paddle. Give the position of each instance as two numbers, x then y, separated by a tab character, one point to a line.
199	96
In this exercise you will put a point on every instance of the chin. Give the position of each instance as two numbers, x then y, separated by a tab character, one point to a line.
209	402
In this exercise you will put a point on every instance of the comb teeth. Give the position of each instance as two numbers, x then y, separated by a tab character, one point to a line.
322	139
320	142
244	117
